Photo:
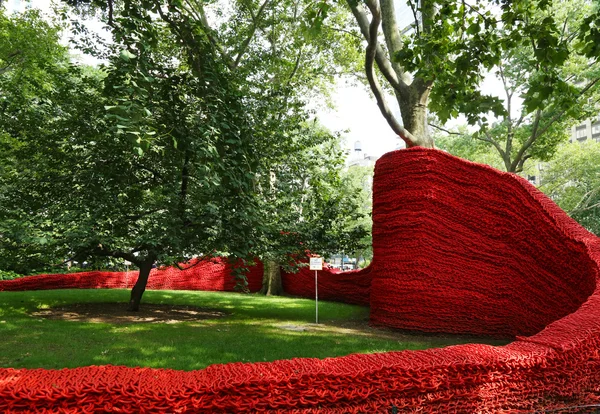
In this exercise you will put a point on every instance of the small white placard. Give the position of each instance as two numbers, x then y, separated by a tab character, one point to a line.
316	263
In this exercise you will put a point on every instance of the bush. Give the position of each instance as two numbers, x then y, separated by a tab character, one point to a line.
8	275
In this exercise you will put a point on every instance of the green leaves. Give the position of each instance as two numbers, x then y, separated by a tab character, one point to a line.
126	55
572	180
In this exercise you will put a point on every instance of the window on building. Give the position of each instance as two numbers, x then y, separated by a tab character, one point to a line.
595	129
580	133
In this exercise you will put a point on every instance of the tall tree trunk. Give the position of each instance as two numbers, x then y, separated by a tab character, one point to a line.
272	285
413	108
140	285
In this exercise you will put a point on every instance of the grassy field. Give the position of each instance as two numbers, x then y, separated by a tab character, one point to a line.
256	328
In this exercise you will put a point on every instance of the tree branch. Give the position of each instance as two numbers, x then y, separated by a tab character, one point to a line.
561	113
295	69
337	29
207	30
488	138
536	133
382	61
414	12
583	204
9	59
521	162
517	160
246	43
391	33
444	130
374	83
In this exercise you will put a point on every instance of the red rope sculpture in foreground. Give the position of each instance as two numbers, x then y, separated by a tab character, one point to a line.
557	367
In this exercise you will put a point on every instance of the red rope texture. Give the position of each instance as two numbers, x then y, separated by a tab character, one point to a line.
213	274
348	287
472	242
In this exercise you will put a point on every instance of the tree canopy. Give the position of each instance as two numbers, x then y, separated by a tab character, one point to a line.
572	180
543	51
165	152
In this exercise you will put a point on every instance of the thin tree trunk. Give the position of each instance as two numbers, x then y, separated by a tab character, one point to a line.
272	285
140	285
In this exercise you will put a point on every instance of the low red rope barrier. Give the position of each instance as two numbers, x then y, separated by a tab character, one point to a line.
213	274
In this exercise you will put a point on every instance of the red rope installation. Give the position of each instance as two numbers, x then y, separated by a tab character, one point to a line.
557	367
212	274
348	287
464	248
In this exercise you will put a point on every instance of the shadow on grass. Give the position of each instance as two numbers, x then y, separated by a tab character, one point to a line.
251	333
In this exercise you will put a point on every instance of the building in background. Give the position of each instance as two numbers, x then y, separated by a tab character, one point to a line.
589	129
361	159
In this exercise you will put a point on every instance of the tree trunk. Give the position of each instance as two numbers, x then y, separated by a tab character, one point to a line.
413	108
272	279
140	285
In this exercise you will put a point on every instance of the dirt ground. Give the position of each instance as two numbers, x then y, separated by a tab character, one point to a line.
117	313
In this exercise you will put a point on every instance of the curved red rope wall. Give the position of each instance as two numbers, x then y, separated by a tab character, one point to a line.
212	274
461	247
557	367
348	287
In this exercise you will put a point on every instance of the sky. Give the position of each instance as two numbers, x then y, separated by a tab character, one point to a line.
357	111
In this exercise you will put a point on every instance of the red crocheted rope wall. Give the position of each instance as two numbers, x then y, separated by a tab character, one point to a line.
557	367
211	274
348	287
461	247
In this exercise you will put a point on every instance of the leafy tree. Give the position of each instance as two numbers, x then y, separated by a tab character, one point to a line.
572	180
554	99
19	53
279	58
161	155
142	162
308	205
26	67
358	184
440	61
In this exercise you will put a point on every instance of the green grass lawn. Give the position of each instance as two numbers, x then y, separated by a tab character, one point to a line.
252	331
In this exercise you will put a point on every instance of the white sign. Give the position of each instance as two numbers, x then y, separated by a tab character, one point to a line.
316	263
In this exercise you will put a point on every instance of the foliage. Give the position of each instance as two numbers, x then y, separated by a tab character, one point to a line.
358	184
308	203
572	180
555	96
8	275
167	151
141	161
294	165
544	51
18	53
27	87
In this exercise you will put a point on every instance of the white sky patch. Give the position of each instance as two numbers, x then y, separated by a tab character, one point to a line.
357	111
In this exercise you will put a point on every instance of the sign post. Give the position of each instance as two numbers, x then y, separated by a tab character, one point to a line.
316	263
127	264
